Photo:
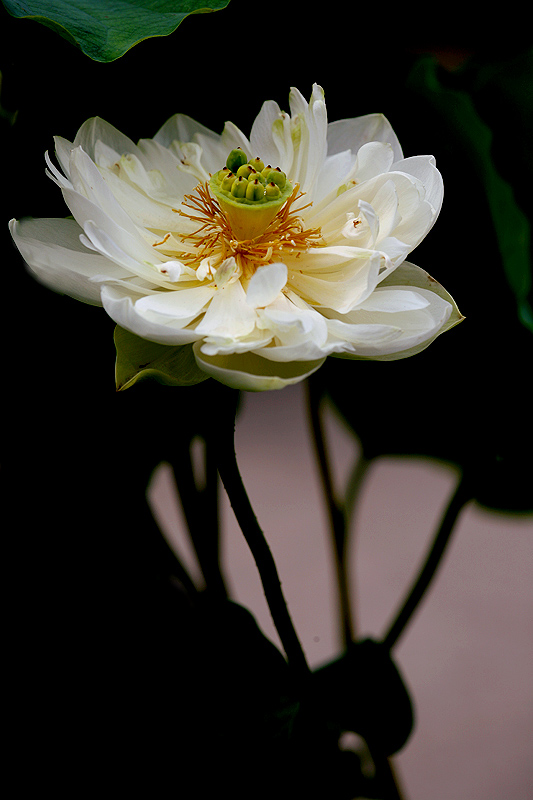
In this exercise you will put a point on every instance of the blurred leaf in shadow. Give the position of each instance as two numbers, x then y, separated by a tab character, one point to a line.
466	399
276	738
450	98
363	691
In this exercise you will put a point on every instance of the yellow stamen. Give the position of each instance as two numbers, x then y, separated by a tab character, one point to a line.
215	239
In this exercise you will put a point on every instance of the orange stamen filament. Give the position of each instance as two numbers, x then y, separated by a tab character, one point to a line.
214	238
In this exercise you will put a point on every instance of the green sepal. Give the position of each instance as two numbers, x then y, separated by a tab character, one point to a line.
168	364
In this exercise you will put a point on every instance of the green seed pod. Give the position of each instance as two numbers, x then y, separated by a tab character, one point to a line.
248	204
254	190
257	164
236	159
277	176
245	171
238	187
272	190
227	181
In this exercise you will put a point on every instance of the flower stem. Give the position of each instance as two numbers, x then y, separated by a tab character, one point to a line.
336	512
234	486
459	499
200	508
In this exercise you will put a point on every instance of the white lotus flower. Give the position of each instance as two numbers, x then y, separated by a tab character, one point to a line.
268	285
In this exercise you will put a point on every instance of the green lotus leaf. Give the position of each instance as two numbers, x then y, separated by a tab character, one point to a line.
138	358
104	31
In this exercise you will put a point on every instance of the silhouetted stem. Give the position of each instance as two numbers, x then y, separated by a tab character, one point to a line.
460	497
200	509
233	484
336	512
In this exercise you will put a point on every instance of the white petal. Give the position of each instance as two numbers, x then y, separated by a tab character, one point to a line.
191	159
228	272
364	338
423	168
372	159
300	331
372	219
119	302
98	239
229	316
143	210
97	129
181	129
250	372
129	241
341	288
105	156
309	133
262	140
265	284
333	174
351	134
63	150
395	250
256	341
89	184
56	175
179	303
396	197
55	255
393	300
415	327
156	156
386	205
327	259
232	138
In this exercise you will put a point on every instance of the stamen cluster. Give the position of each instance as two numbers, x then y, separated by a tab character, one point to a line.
215	238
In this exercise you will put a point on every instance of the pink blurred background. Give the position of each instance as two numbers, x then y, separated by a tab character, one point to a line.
466	657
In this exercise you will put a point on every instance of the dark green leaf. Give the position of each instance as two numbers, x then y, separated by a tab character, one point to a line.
469	133
105	31
139	358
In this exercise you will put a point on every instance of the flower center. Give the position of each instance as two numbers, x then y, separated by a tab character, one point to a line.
250	193
244	211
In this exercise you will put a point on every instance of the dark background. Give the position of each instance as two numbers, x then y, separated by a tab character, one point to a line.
89	614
